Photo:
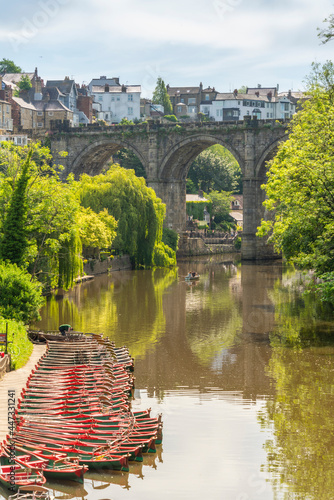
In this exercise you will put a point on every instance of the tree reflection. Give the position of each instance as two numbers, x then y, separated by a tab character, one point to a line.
300	456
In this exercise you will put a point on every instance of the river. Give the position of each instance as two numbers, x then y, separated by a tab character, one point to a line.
241	368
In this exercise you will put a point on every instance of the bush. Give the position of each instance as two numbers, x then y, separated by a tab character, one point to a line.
163	255
21	347
20	295
237	243
170	238
171	118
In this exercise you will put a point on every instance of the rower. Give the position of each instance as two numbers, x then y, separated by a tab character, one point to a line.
65	329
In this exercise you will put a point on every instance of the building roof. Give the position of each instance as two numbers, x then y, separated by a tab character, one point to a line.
237	215
16	77
262	90
240	199
65	86
174	91
23	104
195	197
129	89
51	106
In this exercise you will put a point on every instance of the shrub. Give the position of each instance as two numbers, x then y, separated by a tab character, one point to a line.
171	118
170	238
21	347
20	295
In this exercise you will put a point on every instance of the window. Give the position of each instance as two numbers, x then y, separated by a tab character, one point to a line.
179	109
50	113
39	124
7	109
207	97
235	112
182	100
192	109
39	113
206	110
130	111
118	98
238	103
106	116
130	97
113	98
192	100
100	98
217	112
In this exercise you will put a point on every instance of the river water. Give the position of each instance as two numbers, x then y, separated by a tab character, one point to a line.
241	369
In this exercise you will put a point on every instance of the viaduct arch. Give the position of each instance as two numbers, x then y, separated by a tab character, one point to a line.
167	151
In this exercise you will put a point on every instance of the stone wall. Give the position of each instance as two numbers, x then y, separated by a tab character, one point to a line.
94	267
196	246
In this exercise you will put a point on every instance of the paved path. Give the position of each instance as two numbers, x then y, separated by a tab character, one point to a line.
16	380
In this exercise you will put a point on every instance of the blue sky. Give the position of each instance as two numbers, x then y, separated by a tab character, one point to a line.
222	43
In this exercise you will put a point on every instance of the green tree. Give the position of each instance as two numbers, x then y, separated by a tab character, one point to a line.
326	34
8	66
160	96
215	169
20	295
221	207
136	208
97	231
301	178
23	85
53	246
14	240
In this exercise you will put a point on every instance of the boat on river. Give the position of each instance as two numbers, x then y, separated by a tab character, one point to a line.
192	277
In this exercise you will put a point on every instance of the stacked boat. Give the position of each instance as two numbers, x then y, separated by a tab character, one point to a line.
75	414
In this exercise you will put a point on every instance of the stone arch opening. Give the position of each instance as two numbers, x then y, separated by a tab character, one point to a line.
175	165
95	156
178	159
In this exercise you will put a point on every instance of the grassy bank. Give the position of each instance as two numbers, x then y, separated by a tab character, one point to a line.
21	348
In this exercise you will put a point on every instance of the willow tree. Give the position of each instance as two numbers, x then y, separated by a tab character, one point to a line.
138	211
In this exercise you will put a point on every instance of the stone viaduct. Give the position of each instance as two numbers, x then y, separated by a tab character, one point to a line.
167	151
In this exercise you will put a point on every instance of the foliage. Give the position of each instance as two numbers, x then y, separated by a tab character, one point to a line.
221	203
14	242
25	83
136	207
20	295
196	208
170	238
8	66
243	89
160	96
237	243
129	160
125	121
202	117
301	179
52	206
96	230
20	347
216	169
171	118
163	255
326	34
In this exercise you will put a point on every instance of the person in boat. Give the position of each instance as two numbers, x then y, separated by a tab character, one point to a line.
65	329
189	275
193	274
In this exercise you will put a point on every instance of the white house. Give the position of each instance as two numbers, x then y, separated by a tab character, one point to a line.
264	103
114	101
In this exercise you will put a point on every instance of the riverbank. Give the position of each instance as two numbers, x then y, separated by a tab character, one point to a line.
15	381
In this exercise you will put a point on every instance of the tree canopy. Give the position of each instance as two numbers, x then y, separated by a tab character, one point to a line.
8	66
215	169
138	211
300	186
160	96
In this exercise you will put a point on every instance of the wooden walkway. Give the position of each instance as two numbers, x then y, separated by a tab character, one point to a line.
15	381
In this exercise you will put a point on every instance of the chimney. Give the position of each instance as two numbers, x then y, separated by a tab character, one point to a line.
106	88
123	88
235	92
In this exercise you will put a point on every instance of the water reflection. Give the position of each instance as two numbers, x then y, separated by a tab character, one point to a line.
230	362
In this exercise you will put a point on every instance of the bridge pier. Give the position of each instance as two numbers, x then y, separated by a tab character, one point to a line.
173	194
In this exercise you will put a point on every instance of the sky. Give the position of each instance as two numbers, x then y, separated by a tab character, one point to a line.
222	43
